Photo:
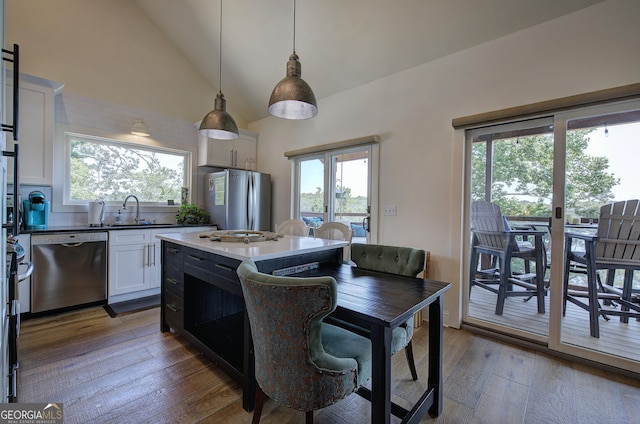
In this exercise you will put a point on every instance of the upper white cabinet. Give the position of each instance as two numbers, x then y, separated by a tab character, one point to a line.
238	153
35	129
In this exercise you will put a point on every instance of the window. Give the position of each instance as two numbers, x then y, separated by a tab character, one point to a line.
105	169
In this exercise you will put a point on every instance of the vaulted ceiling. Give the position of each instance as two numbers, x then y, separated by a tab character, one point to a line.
341	43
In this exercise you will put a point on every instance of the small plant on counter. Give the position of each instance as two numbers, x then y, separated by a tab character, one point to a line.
192	214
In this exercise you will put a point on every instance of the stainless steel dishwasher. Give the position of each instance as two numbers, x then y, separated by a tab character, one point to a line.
70	269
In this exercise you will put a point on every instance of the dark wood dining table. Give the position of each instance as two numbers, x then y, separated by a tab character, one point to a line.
380	302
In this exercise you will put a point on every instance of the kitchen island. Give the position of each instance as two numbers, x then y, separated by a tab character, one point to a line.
201	296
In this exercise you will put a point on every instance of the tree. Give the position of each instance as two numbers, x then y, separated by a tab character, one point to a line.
522	175
110	172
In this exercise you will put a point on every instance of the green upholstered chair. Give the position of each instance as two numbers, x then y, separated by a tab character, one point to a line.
404	261
300	361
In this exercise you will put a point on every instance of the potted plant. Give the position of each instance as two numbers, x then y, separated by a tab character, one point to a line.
192	214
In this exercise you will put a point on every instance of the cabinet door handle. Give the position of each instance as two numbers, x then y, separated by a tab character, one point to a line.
154	254
173	307
195	258
172	250
16	87
146	251
226	268
173	281
231	157
235	158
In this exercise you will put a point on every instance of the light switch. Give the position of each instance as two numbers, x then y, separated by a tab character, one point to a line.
389	210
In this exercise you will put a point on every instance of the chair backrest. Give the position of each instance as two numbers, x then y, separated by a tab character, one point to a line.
293	227
335	231
405	261
619	232
285	315
488	224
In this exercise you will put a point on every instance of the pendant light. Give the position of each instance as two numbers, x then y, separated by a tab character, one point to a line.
139	128
218	123
292	98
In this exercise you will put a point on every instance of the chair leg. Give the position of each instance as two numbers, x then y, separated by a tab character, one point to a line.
257	410
592	288
505	274
626	294
473	269
408	350
309	417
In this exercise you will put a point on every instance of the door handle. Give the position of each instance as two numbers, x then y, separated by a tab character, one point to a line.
16	87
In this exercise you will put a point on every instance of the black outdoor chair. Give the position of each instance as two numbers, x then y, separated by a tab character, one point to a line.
492	236
615	246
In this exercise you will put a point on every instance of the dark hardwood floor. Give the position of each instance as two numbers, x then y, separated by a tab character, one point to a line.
124	370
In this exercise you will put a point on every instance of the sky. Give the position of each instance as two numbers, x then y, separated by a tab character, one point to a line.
352	174
622	147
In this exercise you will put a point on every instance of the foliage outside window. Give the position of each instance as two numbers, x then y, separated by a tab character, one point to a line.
110	170
522	175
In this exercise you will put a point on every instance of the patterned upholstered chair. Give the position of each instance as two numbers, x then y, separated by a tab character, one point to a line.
300	361
392	260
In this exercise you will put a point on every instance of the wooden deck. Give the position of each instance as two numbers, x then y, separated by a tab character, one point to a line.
616	338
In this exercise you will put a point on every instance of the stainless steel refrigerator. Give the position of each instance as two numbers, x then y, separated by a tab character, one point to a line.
239	199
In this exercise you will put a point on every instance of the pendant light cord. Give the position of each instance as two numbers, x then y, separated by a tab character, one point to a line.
220	52
294	26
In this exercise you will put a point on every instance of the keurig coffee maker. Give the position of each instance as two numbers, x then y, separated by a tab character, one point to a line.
36	211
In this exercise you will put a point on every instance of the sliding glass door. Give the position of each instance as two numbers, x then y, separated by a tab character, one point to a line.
550	176
601	167
510	168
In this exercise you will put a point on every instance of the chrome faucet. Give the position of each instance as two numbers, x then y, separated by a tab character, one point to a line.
124	206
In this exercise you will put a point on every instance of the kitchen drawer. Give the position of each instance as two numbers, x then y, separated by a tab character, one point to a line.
173	311
225	268
196	260
174	280
173	253
121	237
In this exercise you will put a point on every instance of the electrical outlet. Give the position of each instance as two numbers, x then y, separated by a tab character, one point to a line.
389	210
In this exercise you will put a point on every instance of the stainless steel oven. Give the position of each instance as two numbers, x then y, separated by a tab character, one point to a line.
70	269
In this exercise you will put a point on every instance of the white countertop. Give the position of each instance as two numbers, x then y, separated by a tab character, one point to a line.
255	251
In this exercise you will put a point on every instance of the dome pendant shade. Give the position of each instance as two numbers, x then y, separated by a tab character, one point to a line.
139	128
292	98
218	123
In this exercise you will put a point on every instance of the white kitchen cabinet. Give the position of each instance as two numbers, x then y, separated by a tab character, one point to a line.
135	261
129	271
238	153
35	129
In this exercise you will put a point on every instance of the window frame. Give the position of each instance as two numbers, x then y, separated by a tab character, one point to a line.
62	174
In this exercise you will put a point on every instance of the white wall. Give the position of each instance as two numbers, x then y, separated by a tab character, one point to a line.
421	155
108	50
91	116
